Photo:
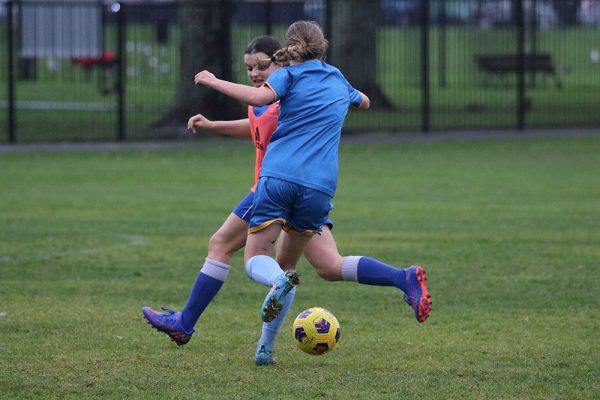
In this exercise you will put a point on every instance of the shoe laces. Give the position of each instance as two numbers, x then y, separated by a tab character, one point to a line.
168	310
263	350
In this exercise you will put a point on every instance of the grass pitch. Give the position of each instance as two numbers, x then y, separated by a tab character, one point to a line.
508	230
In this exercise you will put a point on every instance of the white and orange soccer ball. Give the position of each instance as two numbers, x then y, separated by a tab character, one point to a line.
316	331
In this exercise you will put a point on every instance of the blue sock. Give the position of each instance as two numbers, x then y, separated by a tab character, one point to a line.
207	284
271	329
263	269
369	271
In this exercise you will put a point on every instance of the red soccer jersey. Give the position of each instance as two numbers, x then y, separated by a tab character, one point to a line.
262	129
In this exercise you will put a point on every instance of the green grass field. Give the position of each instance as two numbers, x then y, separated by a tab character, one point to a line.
508	230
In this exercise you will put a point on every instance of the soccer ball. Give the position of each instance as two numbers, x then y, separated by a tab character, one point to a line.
316	331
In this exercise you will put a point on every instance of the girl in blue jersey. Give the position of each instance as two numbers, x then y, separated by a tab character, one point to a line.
321	252
298	177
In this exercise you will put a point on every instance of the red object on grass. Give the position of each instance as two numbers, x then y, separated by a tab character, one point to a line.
107	58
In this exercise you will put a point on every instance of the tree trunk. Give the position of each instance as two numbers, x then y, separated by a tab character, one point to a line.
567	11
353	46
205	44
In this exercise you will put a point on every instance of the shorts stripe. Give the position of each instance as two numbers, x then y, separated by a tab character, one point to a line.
266	224
246	215
291	231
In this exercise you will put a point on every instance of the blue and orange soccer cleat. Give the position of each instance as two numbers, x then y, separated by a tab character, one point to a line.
264	357
273	303
417	296
169	323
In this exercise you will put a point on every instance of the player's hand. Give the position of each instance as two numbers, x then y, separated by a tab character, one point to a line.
198	121
205	78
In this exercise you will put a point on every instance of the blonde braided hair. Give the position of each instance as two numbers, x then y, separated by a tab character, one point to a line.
304	40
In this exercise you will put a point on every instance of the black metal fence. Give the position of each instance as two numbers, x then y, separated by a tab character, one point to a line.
97	70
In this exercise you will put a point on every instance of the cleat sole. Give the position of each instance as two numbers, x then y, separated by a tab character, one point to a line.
274	305
272	310
424	307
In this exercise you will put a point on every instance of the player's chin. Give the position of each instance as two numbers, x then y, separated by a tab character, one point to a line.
258	83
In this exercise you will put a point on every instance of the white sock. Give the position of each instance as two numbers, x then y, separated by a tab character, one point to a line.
263	269
350	268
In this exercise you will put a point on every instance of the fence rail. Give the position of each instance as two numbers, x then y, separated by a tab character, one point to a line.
101	70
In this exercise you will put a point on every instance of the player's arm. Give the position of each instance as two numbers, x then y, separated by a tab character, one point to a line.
240	127
365	103
246	94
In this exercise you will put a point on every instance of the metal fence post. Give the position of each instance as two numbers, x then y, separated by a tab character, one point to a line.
533	37
12	135
442	43
425	100
269	13
520	16
121	75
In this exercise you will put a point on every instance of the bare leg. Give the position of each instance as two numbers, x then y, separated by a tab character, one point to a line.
228	239
260	265
262	242
322	253
290	248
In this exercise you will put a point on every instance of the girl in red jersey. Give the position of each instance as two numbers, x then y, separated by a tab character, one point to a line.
321	252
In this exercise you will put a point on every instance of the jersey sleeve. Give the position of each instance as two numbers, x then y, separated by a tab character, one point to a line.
279	82
353	94
355	97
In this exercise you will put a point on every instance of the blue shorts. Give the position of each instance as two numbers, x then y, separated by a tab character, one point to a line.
244	207
297	207
244	210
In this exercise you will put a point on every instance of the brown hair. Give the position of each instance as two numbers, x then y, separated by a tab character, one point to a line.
304	41
263	44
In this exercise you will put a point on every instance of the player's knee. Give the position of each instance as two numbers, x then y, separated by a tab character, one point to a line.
218	246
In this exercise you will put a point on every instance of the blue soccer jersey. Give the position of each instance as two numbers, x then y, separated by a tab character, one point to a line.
314	100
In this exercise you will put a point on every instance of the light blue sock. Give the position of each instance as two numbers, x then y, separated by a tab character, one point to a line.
369	271
207	285
263	269
271	329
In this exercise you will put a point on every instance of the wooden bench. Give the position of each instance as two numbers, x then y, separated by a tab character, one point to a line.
505	64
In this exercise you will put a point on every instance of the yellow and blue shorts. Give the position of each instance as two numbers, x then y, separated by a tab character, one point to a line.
300	209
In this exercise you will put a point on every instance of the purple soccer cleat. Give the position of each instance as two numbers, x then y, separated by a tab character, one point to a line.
169	323
417	295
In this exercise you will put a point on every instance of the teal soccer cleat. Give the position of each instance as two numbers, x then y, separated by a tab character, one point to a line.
273	302
264	357
417	295
169	323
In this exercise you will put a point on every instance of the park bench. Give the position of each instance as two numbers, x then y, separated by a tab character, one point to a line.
505	64
107	65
